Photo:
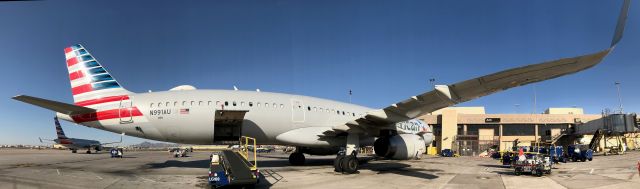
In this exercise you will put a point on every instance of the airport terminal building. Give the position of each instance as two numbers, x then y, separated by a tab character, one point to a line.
470	131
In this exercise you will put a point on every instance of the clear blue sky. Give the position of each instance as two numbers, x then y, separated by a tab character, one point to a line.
385	51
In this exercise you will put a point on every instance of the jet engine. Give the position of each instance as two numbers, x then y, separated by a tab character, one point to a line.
98	148
402	146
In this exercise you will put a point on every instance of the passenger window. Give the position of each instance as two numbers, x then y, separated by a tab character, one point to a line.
199	103
226	103
184	103
258	104
175	103
354	114
338	112
208	103
281	105
242	103
315	109
193	103
266	105
234	103
250	104
342	112
309	108
275	105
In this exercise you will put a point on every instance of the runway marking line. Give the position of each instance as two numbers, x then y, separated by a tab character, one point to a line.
57	170
591	172
145	178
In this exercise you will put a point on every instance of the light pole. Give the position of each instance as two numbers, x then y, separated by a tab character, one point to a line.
619	96
431	80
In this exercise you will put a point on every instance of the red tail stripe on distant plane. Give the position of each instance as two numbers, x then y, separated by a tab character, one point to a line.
107	114
65	141
67	50
75	75
81	89
102	100
72	61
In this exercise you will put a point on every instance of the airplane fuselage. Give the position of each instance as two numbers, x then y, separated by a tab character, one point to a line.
188	116
76	143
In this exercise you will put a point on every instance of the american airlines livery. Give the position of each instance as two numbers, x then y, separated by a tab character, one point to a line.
185	114
75	143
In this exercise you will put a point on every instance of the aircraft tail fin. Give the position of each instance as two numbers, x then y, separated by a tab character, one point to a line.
59	130
91	84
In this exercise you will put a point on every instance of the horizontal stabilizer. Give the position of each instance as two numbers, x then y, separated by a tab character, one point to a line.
61	107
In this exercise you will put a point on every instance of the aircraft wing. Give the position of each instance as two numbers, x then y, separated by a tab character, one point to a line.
121	135
61	107
44	139
447	95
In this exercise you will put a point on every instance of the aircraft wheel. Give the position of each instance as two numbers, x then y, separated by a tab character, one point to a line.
296	158
74	151
337	163
350	164
88	151
539	173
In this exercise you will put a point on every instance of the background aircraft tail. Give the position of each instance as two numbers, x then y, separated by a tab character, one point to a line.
91	84
59	130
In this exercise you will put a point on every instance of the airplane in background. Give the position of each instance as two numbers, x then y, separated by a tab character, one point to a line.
314	126
74	144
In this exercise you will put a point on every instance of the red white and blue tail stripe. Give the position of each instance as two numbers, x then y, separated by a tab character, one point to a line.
91	84
59	130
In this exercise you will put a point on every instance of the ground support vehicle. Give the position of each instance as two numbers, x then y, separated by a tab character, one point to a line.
234	168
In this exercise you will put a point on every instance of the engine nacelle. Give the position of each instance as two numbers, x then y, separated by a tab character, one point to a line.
402	146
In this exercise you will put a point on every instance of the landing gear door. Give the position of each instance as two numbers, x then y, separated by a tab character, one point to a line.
228	126
125	110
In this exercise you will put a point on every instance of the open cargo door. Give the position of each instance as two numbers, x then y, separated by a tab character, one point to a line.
228	126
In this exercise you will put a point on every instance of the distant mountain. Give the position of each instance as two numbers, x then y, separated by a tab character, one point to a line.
146	144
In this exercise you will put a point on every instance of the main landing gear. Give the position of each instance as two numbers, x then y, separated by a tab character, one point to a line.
297	158
347	161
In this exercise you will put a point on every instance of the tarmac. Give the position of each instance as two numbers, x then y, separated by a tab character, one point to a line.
158	169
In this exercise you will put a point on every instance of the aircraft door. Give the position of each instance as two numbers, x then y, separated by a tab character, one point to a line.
297	110
125	111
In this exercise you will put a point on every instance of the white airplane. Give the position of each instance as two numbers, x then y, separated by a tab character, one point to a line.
314	125
74	144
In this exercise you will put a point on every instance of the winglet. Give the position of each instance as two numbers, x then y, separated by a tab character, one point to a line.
622	20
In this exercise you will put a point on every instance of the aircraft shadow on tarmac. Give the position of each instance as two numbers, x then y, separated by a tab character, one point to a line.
379	167
180	164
